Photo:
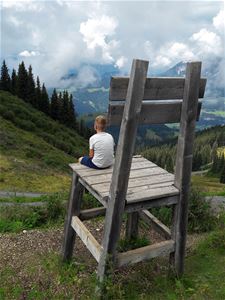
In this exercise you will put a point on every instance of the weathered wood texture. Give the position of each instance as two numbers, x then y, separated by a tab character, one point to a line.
132	225
152	112
73	209
155	88
87	214
145	253
146	204
184	159
155	223
86	237
121	170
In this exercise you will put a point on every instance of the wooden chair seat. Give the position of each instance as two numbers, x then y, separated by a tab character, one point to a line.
147	181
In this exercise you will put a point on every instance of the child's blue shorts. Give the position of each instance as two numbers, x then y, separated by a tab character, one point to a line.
87	161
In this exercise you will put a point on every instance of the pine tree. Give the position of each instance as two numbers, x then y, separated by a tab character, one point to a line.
38	94
13	82
31	97
54	106
5	81
21	87
72	116
44	100
65	108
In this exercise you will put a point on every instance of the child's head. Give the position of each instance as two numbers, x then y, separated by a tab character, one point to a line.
100	123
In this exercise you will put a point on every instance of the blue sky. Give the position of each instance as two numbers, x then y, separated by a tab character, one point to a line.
56	36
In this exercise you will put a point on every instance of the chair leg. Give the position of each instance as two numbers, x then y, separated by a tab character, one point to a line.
109	243
132	225
73	209
179	234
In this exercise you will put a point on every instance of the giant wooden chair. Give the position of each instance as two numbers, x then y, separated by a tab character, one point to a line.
134	184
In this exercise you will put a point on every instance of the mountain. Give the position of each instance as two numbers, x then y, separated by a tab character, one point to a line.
212	71
35	150
90	84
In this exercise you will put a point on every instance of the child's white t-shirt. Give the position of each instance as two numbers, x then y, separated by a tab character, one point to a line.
103	145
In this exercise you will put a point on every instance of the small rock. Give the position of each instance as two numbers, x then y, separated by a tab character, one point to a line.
24	231
97	229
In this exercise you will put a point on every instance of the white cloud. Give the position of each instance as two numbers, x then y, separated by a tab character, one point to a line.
65	35
27	53
207	42
121	62
219	21
96	33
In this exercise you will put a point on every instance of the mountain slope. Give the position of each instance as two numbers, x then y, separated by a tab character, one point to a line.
35	150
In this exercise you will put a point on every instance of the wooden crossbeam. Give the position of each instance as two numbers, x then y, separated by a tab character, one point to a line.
165	201
145	253
155	88
87	214
87	238
152	112
155	223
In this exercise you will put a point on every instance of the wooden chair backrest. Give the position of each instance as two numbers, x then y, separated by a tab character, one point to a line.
162	100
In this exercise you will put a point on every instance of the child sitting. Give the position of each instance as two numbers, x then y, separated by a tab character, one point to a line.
101	147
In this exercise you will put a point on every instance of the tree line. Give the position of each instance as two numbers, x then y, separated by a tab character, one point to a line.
59	106
205	153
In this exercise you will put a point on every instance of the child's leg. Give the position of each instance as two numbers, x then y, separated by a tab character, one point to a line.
87	161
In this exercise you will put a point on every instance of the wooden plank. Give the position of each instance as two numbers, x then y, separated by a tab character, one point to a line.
121	170
152	194
87	238
143	188
135	166
155	223
132	225
134	184
87	214
145	253
184	159
134	174
77	166
152	112
155	88
165	201
73	208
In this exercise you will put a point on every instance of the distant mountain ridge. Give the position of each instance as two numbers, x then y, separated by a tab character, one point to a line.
93	97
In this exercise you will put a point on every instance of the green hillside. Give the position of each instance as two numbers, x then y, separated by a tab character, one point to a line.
35	150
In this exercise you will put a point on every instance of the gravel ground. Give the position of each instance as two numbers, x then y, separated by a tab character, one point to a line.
17	250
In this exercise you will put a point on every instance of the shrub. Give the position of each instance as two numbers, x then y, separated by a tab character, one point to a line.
9	115
200	217
25	124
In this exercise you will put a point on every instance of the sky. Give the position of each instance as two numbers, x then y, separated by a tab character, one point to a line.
58	36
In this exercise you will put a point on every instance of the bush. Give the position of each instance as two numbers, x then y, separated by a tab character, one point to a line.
200	217
25	124
9	115
17	217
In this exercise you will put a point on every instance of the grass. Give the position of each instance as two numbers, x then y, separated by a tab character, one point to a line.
209	186
48	278
35	150
16	218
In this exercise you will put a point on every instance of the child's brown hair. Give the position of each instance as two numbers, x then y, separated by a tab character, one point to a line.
100	122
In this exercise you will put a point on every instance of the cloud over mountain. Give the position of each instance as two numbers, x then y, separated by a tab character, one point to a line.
59	36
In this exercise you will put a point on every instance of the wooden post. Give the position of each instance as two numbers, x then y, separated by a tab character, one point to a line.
121	170
184	162
73	209
132	225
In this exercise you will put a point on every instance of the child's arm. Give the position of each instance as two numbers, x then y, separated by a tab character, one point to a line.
91	153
